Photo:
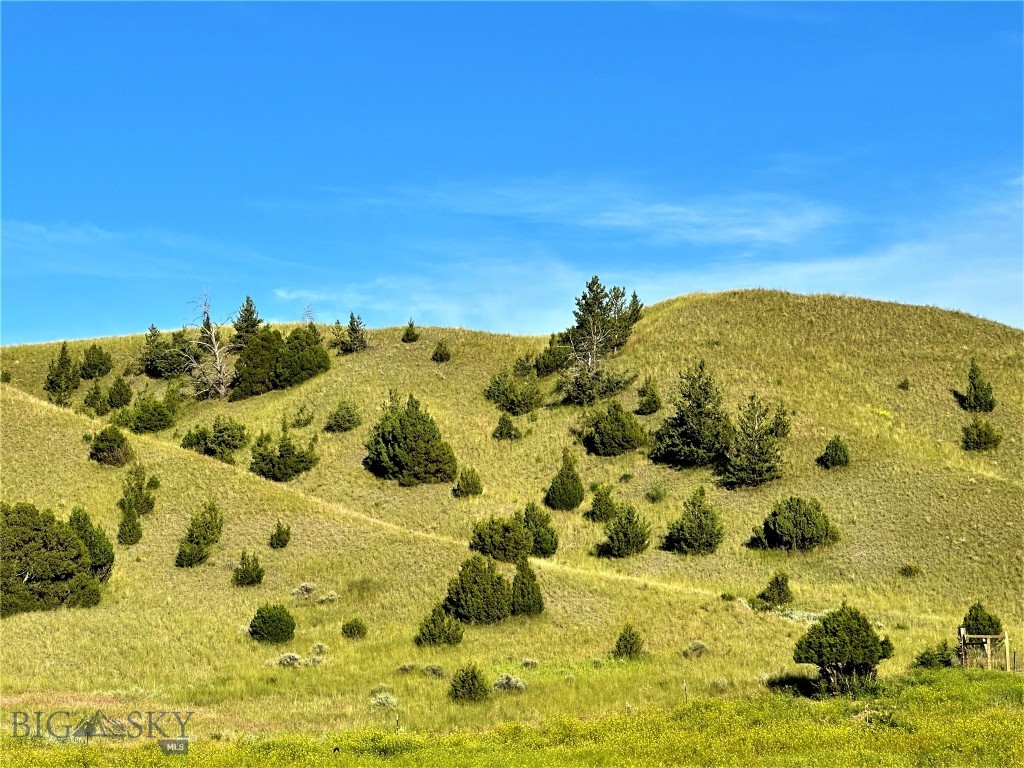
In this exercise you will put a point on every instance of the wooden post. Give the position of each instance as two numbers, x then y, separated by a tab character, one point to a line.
988	651
1006	648
963	647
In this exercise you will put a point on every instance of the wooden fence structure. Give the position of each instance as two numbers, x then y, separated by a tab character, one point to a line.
987	643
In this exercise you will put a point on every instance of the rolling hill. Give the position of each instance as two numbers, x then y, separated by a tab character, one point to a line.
176	638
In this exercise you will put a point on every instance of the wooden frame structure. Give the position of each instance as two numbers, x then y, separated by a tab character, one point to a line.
987	641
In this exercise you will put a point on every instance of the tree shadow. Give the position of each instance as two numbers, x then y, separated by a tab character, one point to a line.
960	398
795	684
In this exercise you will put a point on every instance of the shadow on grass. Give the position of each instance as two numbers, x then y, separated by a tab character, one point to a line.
960	398
795	685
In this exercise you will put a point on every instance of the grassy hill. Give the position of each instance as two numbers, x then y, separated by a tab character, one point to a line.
177	638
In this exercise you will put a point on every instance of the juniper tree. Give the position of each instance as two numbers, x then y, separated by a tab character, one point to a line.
566	489
441	352
979	395
96	363
604	507
699	433
538	523
626	534
97	545
284	461
410	334
753	457
43	562
845	648
439	628
96	399
527	599
281	536
343	418
406	445
613	432
468	485
629	645
248	572
650	400
503	538
506	429
777	593
479	593
62	377
836	454
978	621
980	435
352	338
698	531
110	446
512	394
795	523
120	393
129	530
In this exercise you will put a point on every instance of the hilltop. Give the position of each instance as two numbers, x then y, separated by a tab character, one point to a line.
911	495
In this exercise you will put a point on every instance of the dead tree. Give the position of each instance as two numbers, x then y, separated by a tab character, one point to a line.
206	356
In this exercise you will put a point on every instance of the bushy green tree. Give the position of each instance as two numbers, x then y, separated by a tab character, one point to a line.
147	415
941	656
980	435
699	433
538	523
129	530
247	323
650	399
468	685
626	534
514	395
282	462
248	572
439	628
410	334
96	363
272	624
406	445
43	563
221	441
120	394
777	593
343	418
281	535
978	621
62	377
163	359
604	507
441	354
479	593
698	531
110	446
468	484
582	387
836	454
137	491
354	629
753	457
97	545
796	523
979	395
629	645
613	432
97	400
527	599
256	367
355	341
603	322
506	429
566	489
557	356
845	648
203	532
302	358
503	538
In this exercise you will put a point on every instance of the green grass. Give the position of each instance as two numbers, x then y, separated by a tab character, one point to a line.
938	719
170	638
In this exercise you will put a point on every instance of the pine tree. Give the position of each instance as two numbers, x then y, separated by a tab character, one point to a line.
247	323
441	352
62	377
526	596
699	433
281	536
129	530
979	395
754	457
566	489
248	572
604	507
350	339
96	399
406	445
410	334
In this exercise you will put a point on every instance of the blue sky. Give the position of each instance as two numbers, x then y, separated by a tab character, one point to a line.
474	164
